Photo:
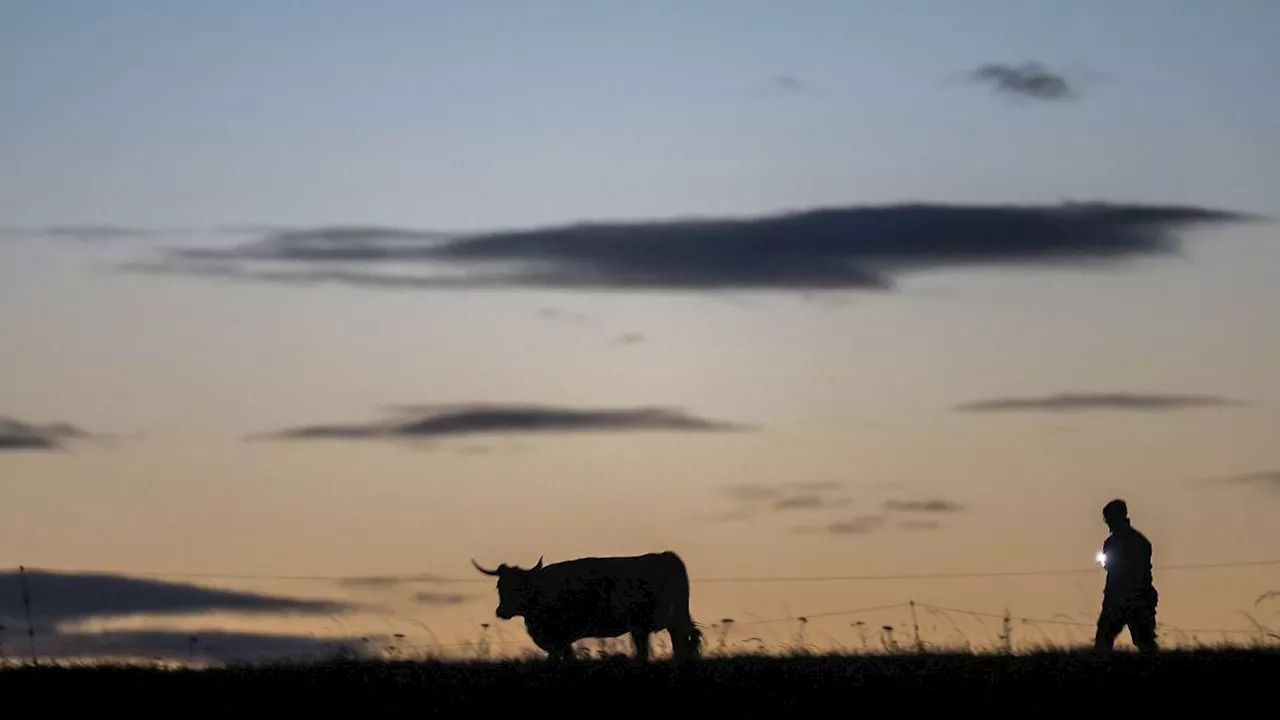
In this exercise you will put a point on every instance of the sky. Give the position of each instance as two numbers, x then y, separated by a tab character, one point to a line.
806	289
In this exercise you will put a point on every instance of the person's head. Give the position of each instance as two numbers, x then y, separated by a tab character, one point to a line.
1116	513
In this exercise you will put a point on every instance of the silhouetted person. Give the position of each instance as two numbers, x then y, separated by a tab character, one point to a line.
1130	597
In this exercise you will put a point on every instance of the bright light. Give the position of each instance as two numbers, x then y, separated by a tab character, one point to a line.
1102	559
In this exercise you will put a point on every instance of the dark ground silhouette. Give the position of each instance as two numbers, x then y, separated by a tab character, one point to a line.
1047	685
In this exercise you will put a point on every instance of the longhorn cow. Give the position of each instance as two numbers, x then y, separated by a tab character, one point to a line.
599	597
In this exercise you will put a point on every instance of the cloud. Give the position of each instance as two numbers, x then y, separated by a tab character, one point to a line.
388	581
817	485
474	419
936	505
918	525
799	501
84	232
633	338
568	316
843	248
1264	477
810	501
58	598
726	517
435	598
331	243
18	435
859	525
752	492
749	492
1028	80
1073	402
788	83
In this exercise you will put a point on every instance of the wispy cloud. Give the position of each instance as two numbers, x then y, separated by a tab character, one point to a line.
749	492
478	419
18	435
388	581
1270	478
632	338
934	505
85	233
859	525
919	525
437	598
1027	80
810	501
754	492
842	248
1076	402
784	82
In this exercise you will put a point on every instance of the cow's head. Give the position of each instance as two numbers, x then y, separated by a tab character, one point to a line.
517	589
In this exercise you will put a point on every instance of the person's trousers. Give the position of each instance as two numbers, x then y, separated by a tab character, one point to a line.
1138	615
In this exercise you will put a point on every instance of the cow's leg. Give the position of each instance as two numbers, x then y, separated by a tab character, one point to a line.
560	653
556	648
640	639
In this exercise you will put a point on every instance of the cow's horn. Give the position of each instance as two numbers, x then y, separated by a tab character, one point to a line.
539	565
486	572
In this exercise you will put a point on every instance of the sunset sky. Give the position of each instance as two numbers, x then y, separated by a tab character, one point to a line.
787	288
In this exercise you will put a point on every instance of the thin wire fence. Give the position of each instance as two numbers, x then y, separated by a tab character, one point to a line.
725	636
432	579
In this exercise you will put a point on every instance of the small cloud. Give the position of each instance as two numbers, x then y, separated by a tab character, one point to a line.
1074	402
788	83
1264	477
854	526
757	491
724	517
479	418
799	501
818	485
749	492
810	502
630	339
937	505
1028	80
556	314
433	598
18	435
918	525
388	581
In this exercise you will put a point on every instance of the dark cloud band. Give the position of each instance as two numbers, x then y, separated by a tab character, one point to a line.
58	597
1077	402
18	435
445	421
859	247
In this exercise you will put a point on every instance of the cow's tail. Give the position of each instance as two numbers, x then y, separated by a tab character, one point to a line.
696	638
690	636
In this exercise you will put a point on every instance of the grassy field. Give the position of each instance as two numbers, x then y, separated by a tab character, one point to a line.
1031	685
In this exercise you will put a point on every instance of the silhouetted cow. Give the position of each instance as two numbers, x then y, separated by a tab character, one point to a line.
599	597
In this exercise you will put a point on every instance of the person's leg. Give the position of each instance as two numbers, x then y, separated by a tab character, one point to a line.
1142	628
1110	623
